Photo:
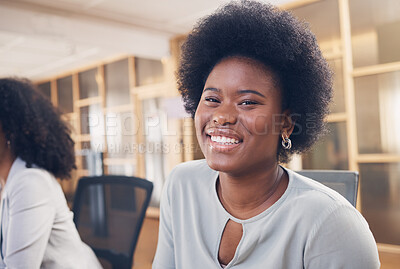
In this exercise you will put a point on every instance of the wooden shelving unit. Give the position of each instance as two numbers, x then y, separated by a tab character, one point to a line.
103	105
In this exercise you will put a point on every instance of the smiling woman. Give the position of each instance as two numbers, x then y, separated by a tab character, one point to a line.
240	101
252	77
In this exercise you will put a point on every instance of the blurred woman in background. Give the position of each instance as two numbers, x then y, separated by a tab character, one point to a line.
37	229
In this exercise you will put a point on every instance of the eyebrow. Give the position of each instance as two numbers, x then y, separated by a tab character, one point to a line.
239	91
211	89
251	91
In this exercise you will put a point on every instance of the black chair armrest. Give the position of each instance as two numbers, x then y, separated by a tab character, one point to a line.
118	260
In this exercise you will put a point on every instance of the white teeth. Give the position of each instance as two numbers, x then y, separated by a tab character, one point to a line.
224	140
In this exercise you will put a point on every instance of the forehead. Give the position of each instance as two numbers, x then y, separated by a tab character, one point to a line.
242	73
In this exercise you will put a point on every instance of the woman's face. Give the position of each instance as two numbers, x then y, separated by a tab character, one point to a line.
239	117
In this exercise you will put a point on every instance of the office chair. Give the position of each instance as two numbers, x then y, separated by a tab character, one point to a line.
344	182
109	213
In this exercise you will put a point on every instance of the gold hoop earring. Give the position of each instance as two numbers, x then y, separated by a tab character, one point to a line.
286	142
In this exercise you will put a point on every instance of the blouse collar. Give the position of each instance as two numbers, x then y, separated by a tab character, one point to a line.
17	166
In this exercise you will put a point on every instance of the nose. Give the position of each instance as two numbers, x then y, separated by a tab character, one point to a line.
224	115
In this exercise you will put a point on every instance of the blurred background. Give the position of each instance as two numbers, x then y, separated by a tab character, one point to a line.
109	66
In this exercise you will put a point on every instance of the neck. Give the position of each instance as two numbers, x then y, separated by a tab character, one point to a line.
247	196
6	161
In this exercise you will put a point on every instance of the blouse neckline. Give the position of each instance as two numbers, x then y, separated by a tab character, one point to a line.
260	215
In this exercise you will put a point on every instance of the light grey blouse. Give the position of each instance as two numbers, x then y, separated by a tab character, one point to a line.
37	229
310	226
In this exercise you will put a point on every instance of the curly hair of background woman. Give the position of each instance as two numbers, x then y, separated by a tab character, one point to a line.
36	132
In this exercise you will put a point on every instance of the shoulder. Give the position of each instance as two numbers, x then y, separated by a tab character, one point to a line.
336	231
190	171
190	176
317	202
191	168
32	180
338	236
314	193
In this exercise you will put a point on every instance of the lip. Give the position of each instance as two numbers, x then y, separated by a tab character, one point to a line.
224	132
218	146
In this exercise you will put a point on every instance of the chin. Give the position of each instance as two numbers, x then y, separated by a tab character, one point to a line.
220	165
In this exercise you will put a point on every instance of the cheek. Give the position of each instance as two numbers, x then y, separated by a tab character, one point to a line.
261	125
197	125
264	125
267	125
199	119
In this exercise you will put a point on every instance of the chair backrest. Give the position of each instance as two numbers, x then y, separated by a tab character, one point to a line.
109	213
344	182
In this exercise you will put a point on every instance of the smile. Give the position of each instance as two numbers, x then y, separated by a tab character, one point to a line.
224	140
223	144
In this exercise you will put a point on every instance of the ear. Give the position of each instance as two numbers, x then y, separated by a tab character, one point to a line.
288	122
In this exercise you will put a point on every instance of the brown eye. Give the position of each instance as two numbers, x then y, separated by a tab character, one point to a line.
248	102
211	99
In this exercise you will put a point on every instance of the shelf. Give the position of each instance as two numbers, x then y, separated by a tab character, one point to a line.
376	69
378	158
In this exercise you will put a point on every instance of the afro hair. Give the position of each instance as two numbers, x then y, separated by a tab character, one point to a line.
276	39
